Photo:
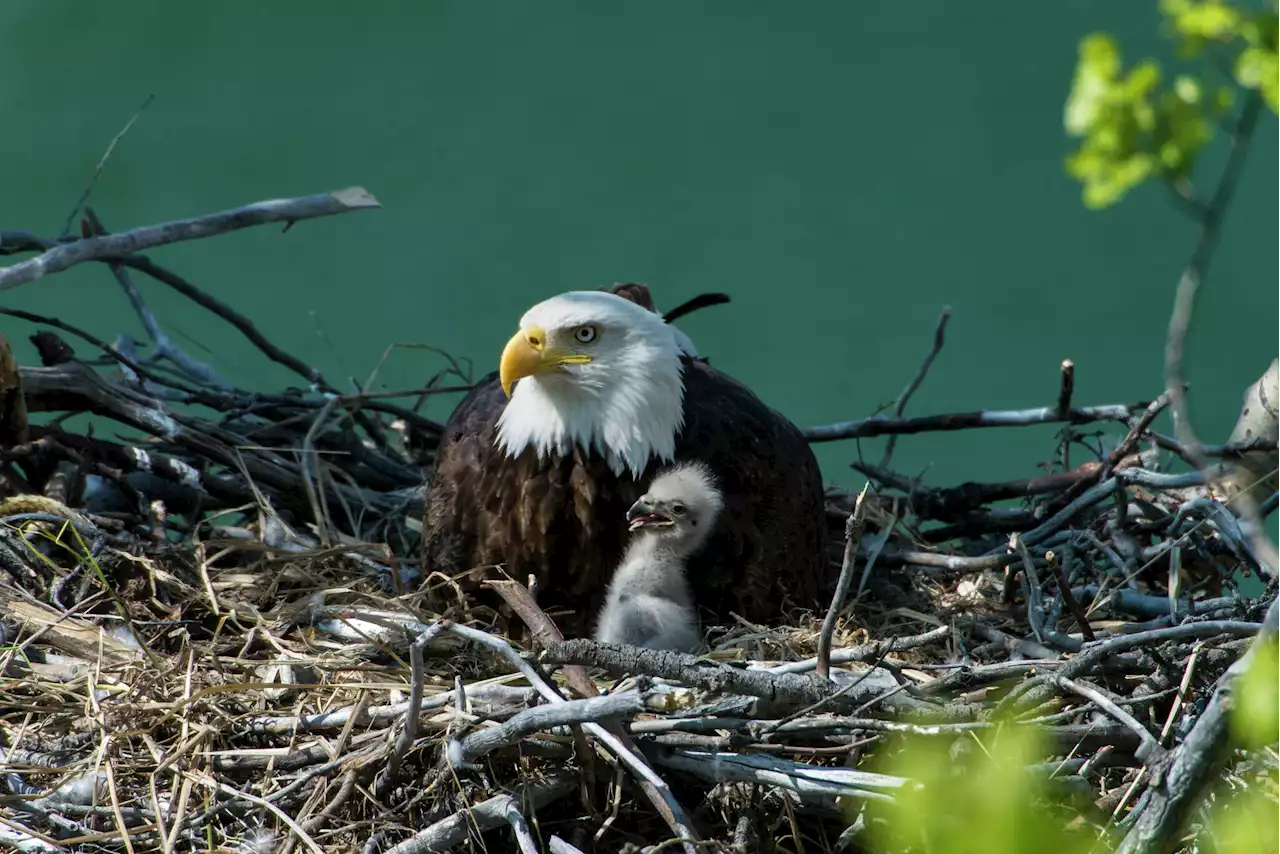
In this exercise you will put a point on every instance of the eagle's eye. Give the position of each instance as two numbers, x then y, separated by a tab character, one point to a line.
585	334
678	509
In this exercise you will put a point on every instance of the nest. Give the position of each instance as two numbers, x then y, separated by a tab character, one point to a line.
214	636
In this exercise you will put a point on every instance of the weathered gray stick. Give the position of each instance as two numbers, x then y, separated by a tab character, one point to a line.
852	536
879	425
486	815
805	780
789	690
593	709
67	255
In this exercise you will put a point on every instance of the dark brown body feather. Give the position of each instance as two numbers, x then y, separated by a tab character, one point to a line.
563	520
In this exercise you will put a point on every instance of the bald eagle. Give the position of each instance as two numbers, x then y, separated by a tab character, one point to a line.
594	394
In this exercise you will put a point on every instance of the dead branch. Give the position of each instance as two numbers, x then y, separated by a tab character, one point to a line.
878	425
853	535
67	255
594	709
484	816
900	405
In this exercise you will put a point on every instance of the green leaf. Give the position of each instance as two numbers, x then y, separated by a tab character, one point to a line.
953	810
1215	21
1186	131
1188	89
1144	77
1224	99
1198	23
1257	68
1132	127
1096	71
1260	30
1245	823
1255	716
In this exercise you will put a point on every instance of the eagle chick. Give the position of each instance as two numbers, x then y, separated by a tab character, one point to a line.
649	603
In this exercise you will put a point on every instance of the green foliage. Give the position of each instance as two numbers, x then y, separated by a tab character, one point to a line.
1245	823
1255	716
990	801
1199	22
1256	67
1131	131
986	803
1135	125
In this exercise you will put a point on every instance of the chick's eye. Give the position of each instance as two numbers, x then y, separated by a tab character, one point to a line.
678	509
585	334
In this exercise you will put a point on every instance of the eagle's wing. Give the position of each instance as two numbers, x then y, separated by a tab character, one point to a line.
449	536
770	543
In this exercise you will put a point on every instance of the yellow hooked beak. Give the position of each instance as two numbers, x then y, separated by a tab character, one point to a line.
528	354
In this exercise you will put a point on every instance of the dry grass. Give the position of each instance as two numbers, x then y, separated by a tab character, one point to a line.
227	694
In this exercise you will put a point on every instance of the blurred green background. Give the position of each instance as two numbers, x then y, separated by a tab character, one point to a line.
843	170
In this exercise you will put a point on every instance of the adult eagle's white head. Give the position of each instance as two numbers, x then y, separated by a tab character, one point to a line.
598	371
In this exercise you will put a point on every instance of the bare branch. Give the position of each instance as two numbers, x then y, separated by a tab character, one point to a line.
901	405
1150	750
165	348
102	162
67	255
1198	266
1067	386
634	763
878	425
520	828
810	782
486	815
867	652
416	679
592	709
556	845
782	689
853	535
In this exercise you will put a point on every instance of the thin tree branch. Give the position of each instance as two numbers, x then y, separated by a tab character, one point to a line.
1067	386
486	815
244	325
102	163
1150	750
879	425
901	405
1184	304
852	536
67	255
164	346
593	709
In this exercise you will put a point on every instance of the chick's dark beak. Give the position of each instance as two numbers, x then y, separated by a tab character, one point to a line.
639	509
645	515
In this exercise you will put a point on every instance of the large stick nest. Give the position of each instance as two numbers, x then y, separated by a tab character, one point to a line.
213	633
